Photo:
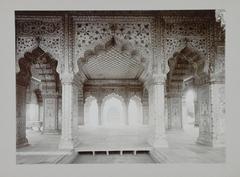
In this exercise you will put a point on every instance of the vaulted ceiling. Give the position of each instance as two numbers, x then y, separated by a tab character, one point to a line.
113	64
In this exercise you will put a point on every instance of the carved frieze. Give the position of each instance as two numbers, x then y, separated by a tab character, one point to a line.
181	31
204	109
220	60
48	28
90	31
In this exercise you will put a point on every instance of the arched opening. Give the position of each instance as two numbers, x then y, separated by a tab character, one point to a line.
34	105
135	112
91	112
113	111
189	106
38	92
186	69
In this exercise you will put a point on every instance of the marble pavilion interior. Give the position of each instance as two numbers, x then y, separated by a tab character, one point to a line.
101	83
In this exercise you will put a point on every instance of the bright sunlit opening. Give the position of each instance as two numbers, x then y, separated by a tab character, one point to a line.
91	112
190	106
113	112
135	111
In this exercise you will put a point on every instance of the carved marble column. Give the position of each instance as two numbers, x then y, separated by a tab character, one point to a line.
69	112
50	109
218	114
41	115
99	103
145	107
166	113
204	107
80	107
145	113
211	99
126	103
174	111
156	113
196	111
21	139
184	111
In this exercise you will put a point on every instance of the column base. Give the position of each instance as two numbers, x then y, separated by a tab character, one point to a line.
51	132
22	142
66	144
213	143
219	144
36	125
203	142
159	142
219	141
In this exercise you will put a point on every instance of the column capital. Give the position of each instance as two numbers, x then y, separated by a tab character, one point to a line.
126	99
157	79
50	95
99	101
67	78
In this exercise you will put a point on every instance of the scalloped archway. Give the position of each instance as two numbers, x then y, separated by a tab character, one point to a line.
188	68
113	59
40	66
90	111
113	110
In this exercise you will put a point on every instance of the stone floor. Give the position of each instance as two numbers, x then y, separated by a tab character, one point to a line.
91	138
40	143
182	147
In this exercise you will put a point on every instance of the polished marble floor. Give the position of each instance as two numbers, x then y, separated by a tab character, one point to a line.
182	147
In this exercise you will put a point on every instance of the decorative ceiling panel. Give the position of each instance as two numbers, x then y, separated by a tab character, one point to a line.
113	64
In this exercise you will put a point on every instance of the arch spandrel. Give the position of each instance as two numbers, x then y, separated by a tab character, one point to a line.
36	57
198	62
48	28
94	33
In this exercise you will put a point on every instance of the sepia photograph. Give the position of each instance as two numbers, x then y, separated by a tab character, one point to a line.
120	86
101	88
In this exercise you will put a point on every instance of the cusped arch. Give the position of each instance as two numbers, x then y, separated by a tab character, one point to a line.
135	111
37	56
89	99
122	45
113	95
90	112
105	105
191	55
136	98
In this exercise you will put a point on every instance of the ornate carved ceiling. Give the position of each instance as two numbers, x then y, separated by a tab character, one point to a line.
113	64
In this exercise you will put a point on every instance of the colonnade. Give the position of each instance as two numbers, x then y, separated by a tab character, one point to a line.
209	97
125	105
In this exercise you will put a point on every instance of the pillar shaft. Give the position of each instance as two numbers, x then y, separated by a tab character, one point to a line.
99	102
156	111
80	107
21	139
126	103
50	121
211	105
175	111
196	115
69	112
184	112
